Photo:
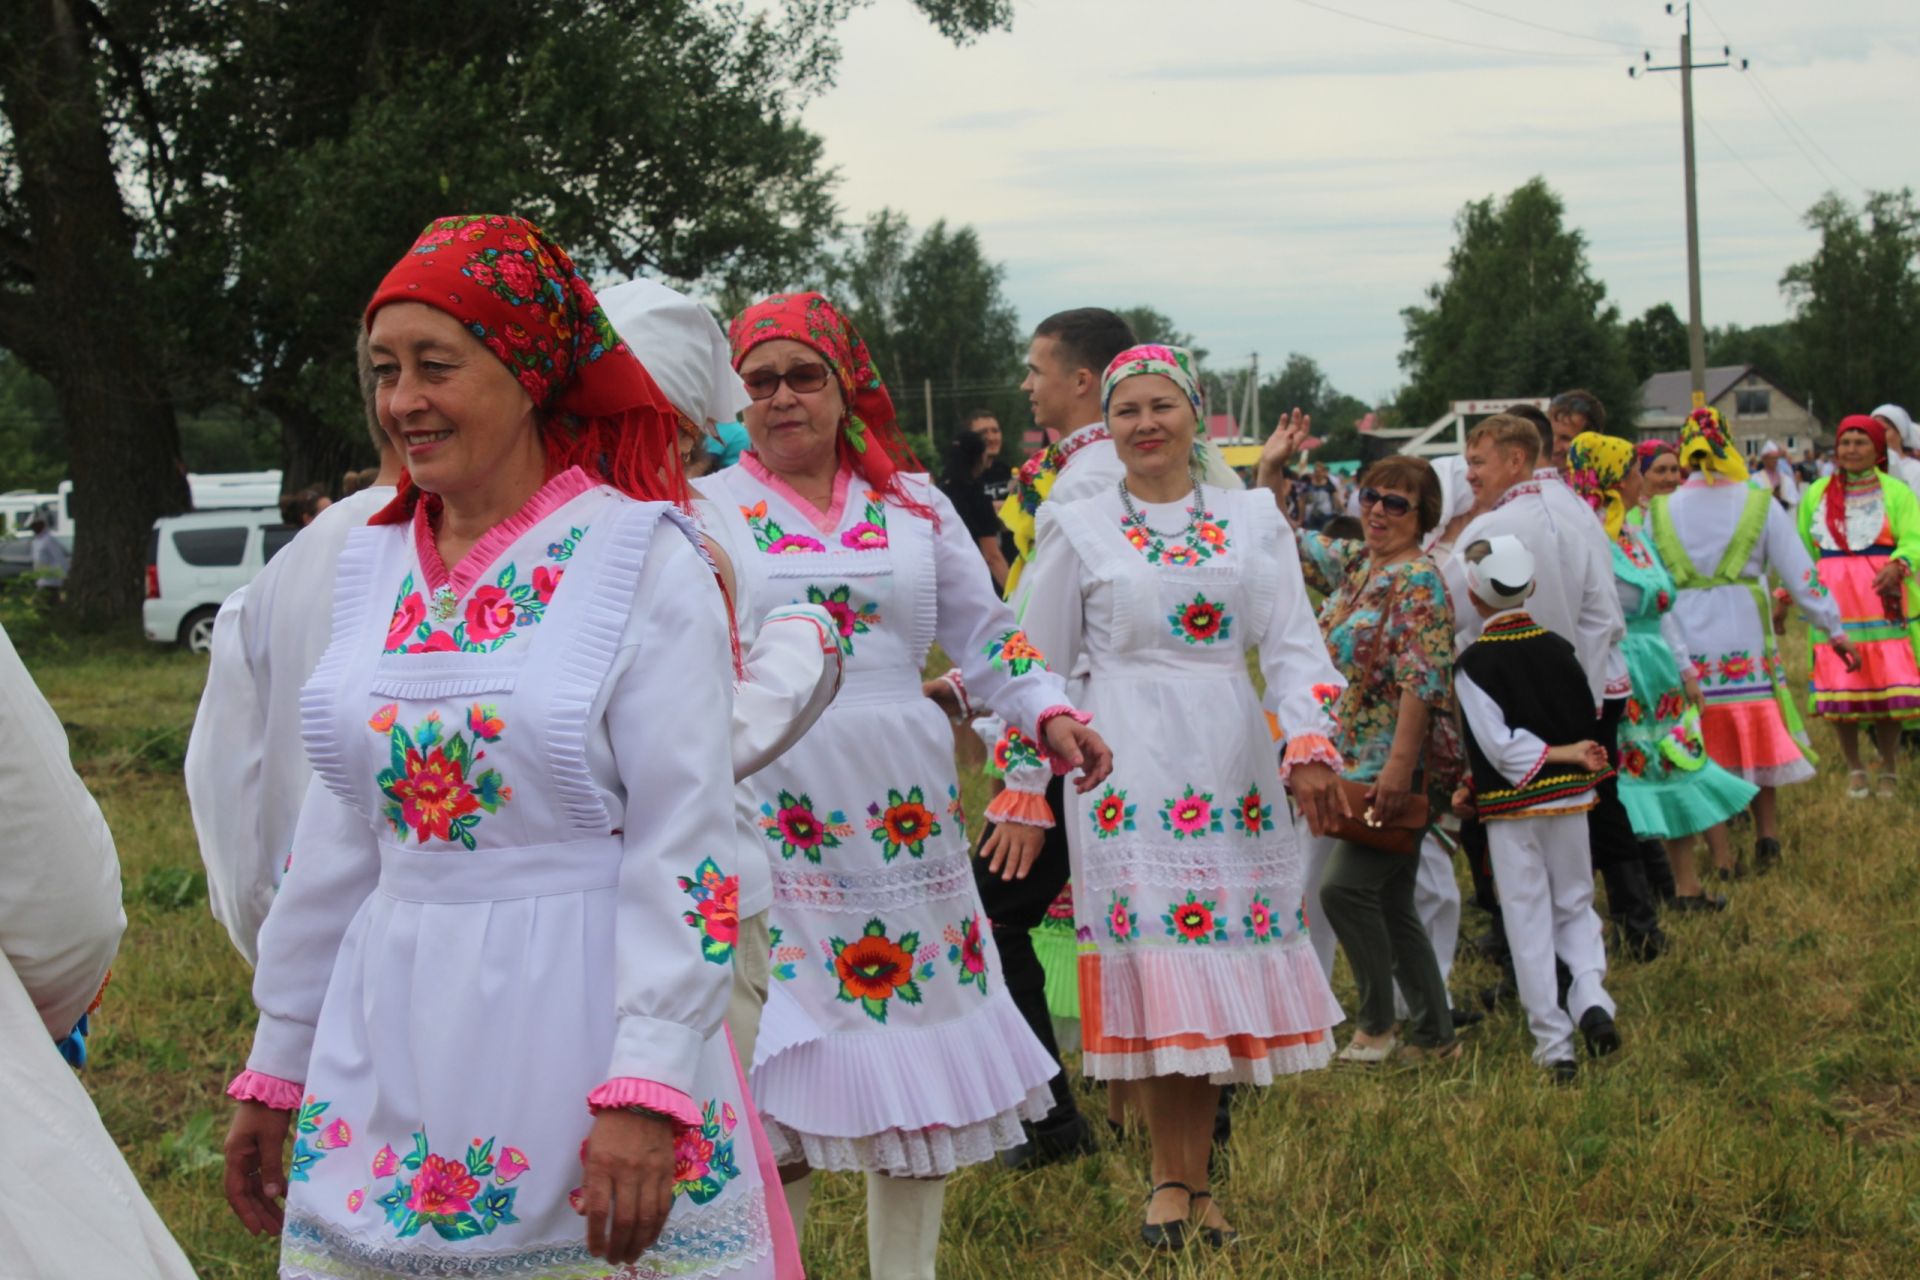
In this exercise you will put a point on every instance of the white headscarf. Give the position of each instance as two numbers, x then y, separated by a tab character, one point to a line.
1900	420
681	346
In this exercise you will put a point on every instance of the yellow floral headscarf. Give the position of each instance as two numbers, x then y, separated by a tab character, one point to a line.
1704	447
1596	465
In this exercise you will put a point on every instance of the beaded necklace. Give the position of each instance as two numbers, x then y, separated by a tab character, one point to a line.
1202	539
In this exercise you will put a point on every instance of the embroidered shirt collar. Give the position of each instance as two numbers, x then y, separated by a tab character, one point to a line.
1075	441
1518	491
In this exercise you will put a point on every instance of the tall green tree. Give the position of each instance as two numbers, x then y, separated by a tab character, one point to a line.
1857	304
932	311
1656	341
197	197
1519	313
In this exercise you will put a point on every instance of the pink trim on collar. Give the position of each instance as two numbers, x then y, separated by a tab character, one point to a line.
480	557
826	521
1518	491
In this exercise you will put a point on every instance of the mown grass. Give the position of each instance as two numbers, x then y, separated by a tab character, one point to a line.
1763	1120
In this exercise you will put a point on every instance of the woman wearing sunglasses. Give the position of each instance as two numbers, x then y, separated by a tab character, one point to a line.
1389	628
889	1043
1195	970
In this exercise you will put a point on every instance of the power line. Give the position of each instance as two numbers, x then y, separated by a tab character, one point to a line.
1539	26
1741	161
1786	119
1465	44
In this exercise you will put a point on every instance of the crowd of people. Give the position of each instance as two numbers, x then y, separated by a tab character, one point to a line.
577	792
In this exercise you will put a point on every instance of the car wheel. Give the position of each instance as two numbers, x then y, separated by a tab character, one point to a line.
196	633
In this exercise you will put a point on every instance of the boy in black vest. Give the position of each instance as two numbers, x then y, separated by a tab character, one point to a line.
1530	727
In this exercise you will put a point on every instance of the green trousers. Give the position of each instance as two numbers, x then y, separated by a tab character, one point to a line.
1367	896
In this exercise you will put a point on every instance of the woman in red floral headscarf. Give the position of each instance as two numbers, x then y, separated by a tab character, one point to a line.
492	985
890	1044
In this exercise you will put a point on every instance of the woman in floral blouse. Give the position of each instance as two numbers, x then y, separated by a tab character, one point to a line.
1397	735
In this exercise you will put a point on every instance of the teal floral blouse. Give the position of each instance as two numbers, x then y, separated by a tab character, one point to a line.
1418	660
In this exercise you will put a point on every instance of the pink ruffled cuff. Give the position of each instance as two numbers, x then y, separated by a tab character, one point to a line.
625	1091
1025	808
271	1091
1309	748
1040	734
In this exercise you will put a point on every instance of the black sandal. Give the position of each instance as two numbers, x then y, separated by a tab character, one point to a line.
1218	1237
1170	1236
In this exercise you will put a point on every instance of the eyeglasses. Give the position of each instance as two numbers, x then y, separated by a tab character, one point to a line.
803	378
1393	502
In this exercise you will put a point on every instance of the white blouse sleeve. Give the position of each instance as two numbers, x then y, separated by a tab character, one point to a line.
1055	620
1302	682
225	757
675	681
60	916
336	864
1002	669
792	672
1788	561
1515	754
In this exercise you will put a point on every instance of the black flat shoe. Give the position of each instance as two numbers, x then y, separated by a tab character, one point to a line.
1466	1017
1218	1237
1565	1071
1766	855
1602	1036
1171	1236
1700	902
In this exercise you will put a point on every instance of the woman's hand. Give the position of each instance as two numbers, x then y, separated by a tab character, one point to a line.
1390	796
1288	435
1848	655
1012	848
1463	807
1318	796
1079	748
1690	685
256	1169
944	694
629	1186
1887	581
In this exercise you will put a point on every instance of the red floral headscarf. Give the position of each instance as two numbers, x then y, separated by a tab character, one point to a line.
1834	508
519	293
870	439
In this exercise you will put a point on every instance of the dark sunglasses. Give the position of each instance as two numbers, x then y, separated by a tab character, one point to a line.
804	378
1393	502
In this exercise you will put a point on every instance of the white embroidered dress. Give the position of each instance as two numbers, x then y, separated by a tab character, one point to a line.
1187	872
889	1043
508	892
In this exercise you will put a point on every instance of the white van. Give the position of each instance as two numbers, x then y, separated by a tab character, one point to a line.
195	561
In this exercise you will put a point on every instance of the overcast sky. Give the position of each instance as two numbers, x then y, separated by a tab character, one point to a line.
1278	176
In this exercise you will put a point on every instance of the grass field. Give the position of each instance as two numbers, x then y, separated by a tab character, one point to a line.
1763	1121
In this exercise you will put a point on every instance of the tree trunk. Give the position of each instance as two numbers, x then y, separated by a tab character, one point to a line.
83	326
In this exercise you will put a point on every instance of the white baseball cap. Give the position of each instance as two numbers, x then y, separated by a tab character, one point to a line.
1502	574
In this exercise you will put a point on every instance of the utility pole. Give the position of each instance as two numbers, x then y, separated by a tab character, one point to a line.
1696	331
1252	429
933	441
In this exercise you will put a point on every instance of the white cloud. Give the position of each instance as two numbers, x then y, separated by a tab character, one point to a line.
1280	178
